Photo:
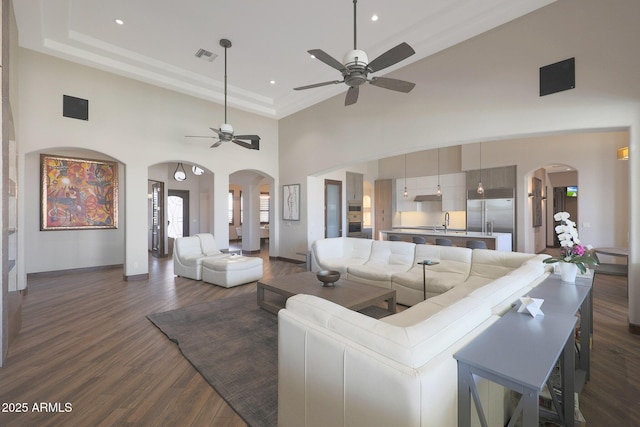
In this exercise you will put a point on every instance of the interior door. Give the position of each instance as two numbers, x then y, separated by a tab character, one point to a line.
332	208
157	219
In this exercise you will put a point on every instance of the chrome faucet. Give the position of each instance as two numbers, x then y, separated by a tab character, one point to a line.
446	222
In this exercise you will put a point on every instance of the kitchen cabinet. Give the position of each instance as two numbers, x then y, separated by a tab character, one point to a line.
385	205
416	186
454	195
354	186
502	177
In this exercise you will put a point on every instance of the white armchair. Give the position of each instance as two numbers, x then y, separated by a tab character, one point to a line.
189	253
187	257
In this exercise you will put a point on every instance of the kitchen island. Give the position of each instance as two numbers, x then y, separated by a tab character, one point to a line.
497	241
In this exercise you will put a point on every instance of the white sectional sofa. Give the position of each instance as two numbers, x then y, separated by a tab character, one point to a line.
339	367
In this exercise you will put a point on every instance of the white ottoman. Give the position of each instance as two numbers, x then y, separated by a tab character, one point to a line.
231	271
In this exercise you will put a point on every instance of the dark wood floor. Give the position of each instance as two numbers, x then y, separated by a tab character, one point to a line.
85	341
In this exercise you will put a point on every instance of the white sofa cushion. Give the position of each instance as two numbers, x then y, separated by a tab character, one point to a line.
502	292
418	313
492	264
339	252
412	345
386	259
452	268
188	250
208	245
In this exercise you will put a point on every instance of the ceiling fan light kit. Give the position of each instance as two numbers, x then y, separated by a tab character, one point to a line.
355	67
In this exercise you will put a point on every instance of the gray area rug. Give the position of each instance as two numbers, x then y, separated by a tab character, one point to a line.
234	345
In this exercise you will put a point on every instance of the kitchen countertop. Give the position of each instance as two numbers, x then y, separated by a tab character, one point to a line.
440	232
497	241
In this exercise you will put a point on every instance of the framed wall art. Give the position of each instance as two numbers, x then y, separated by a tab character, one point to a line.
291	202
78	194
537	202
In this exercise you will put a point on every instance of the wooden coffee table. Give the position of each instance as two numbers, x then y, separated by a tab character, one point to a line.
347	293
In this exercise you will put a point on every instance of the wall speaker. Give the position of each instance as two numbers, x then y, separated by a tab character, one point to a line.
558	77
75	108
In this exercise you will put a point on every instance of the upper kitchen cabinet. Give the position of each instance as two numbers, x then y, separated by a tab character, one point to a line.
454	194
354	187
503	177
417	186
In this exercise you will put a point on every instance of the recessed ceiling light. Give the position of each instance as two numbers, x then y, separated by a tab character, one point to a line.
119	22
272	82
374	17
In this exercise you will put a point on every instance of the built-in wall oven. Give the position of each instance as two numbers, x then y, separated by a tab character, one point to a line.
354	218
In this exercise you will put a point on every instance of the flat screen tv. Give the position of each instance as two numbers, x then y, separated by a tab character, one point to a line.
572	191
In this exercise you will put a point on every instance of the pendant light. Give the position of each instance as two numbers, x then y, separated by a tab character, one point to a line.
438	189
197	171
480	186
180	174
406	193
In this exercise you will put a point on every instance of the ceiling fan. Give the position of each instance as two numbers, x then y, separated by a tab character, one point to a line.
225	133
356	68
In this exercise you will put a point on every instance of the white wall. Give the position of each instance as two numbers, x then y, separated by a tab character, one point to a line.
486	89
139	125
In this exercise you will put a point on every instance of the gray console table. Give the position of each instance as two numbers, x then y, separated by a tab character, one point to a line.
520	352
575	299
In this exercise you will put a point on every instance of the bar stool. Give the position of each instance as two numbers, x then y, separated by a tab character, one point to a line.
443	242
419	240
476	244
393	238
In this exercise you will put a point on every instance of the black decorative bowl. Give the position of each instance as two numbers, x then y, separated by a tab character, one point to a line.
328	277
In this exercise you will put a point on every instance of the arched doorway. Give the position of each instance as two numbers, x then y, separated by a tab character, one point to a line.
562	196
251	207
177	207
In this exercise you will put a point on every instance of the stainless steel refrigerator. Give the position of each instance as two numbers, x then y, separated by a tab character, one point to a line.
496	212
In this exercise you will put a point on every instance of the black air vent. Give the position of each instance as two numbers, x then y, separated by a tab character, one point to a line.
75	108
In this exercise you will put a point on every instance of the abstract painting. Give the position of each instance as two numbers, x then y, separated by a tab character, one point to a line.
78	194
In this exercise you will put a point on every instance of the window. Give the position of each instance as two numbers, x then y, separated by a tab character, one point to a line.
264	208
230	203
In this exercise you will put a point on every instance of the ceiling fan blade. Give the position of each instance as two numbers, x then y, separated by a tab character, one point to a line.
253	145
393	84
391	57
352	95
199	136
333	82
327	59
251	137
216	144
